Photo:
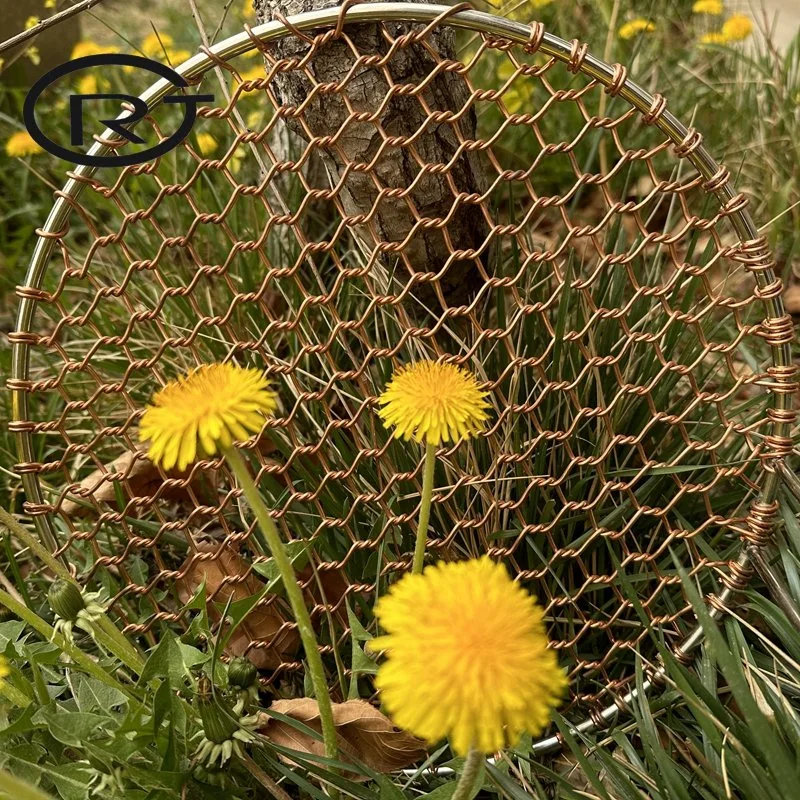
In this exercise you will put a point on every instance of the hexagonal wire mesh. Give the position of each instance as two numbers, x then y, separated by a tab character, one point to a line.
626	322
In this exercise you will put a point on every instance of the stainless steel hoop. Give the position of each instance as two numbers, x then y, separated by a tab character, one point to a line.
777	331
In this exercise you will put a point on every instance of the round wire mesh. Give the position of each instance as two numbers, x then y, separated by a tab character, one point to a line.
626	321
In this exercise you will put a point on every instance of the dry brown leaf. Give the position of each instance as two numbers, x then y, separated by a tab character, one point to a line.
261	624
327	588
364	733
791	299
142	478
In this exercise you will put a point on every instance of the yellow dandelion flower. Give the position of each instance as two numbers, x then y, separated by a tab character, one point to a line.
5	669
177	56
521	9
713	7
255	119
737	28
89	48
467	657
206	143
252	74
154	44
21	144
88	84
635	26
433	403
204	411
86	48
517	98
713	38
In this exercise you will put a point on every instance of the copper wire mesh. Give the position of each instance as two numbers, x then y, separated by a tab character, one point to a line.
616	319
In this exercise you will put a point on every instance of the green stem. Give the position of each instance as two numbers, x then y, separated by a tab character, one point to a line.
117	643
14	695
32	543
425	508
106	631
20	790
48	633
466	783
293	592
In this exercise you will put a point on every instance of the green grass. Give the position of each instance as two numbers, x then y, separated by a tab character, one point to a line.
728	727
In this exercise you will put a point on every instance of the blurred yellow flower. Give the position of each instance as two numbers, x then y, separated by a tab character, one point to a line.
433	403
50	4
208	409
254	73
255	120
248	12
630	29
155	44
21	144
176	57
519	10
5	669
89	48
91	84
32	54
467	657
737	28
206	143
31	22
707	7
518	95
713	38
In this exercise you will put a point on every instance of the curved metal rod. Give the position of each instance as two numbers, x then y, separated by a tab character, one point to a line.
194	68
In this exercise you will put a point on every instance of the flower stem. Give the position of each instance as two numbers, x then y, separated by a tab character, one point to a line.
14	787
112	638
49	634
109	635
18	531
466	783
425	508
293	592
14	695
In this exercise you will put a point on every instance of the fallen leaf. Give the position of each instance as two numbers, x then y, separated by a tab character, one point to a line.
364	734
137	476
791	299
262	623
329	588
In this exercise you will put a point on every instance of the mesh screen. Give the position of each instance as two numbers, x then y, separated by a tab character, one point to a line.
534	228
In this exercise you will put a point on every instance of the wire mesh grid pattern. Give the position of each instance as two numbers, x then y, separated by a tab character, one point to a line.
628	435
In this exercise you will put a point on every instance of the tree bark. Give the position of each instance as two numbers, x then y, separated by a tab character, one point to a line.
434	195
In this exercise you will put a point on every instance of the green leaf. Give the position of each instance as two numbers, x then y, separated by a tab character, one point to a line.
23	758
9	633
191	656
358	632
298	555
165	661
361	663
71	727
71	780
388	790
91	695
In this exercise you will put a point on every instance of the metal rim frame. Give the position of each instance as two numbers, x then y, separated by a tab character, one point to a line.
478	22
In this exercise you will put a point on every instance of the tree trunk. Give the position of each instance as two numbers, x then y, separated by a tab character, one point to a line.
397	167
